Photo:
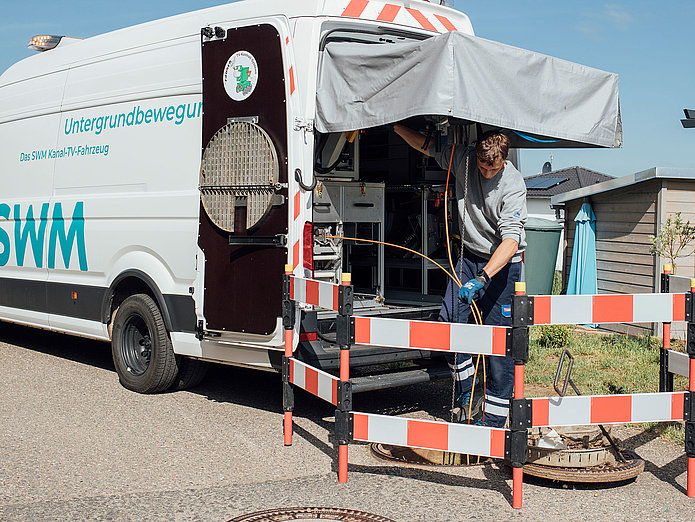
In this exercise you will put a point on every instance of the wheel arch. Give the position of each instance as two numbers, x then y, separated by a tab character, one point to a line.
128	283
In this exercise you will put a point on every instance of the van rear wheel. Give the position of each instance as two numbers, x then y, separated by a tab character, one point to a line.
140	345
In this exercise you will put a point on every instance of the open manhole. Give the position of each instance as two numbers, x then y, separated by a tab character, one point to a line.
309	514
425	457
608	472
579	454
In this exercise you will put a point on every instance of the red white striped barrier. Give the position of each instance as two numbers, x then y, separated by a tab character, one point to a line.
317	293
316	382
608	308
607	409
431	335
443	436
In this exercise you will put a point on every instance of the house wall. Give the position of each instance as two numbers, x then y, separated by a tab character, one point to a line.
679	196
625	218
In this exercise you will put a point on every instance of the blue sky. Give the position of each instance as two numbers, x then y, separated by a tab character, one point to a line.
649	44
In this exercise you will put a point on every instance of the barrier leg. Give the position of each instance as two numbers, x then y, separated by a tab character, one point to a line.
520	412
665	377
287	391
344	336
288	319
690	424
689	410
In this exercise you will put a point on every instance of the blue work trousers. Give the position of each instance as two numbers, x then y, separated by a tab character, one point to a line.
494	302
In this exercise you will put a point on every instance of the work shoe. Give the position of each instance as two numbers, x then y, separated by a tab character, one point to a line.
464	405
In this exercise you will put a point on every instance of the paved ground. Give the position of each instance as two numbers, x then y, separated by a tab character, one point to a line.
75	445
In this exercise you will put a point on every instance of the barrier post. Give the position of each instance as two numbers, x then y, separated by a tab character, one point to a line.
520	412
689	402
665	377
345	337
288	321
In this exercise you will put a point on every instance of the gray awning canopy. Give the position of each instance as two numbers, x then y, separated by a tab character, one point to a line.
560	103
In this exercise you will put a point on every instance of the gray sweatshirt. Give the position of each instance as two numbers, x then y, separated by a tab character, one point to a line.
495	208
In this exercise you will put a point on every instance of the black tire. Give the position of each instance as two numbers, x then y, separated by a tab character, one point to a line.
141	348
191	373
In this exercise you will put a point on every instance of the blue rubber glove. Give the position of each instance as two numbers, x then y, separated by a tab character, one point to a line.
469	289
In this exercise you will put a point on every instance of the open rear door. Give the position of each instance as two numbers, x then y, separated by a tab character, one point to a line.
243	179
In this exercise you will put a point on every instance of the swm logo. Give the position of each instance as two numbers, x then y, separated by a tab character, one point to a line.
30	229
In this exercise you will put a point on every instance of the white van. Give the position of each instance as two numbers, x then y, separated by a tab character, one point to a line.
157	179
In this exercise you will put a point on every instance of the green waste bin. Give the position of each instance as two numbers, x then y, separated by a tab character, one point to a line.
542	243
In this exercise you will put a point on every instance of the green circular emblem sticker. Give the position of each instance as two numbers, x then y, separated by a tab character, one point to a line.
240	75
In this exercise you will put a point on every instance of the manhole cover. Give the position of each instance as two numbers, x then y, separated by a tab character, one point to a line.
425	457
309	514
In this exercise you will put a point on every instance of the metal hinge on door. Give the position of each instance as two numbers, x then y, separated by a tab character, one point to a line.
306	125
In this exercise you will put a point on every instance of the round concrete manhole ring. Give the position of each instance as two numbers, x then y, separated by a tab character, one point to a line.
425	457
618	472
309	514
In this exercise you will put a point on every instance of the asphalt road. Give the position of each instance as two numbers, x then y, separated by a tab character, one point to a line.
75	445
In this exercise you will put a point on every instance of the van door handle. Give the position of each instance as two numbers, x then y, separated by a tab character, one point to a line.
363	205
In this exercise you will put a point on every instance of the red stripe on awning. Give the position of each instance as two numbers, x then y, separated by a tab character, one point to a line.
388	13
312	292
355	8
499	340
540	412
541	309
421	19
446	22
679	307
611	409
425	434
363	335
430	336
612	309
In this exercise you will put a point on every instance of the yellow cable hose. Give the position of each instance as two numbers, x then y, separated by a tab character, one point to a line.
477	316
484	386
401	247
446	218
470	401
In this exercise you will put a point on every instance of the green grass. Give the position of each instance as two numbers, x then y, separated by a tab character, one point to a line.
603	365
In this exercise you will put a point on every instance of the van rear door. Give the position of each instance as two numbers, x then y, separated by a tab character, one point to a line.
243	180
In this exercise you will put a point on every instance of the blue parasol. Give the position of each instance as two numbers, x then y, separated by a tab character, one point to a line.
583	278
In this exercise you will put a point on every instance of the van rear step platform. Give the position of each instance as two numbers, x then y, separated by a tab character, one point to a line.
326	355
399	378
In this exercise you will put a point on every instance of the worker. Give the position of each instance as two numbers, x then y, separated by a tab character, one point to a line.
493	213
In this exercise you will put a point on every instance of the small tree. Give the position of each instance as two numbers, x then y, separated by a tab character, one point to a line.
673	240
